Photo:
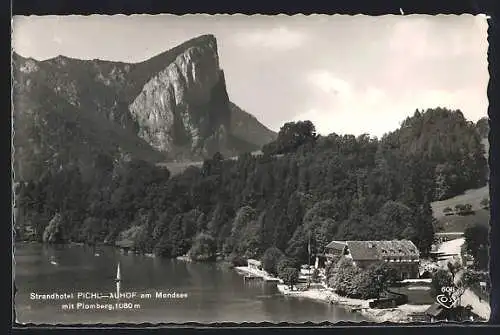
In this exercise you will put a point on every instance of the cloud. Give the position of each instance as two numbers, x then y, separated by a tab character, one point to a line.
329	83
280	38
335	105
423	38
57	39
374	111
411	38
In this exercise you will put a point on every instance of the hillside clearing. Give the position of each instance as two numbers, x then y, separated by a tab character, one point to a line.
176	168
472	197
457	223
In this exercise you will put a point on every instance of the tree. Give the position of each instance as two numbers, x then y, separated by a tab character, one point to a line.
204	248
442	184
425	223
483	127
315	276
454	267
320	223
448	211
250	243
382	276
290	276
243	217
477	243
394	221
291	136
286	262
270	260
467	280
297	246
363	286
53	233
344	280
333	187
440	278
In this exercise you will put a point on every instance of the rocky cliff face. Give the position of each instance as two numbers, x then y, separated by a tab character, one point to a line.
172	106
184	104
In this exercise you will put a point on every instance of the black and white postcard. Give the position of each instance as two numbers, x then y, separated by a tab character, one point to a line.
232	168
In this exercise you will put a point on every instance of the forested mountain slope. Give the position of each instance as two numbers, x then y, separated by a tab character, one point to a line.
304	185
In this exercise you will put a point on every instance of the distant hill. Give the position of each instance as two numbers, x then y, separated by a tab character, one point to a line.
451	145
174	106
335	187
249	128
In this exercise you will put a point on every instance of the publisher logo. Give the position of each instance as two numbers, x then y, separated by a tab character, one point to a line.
446	299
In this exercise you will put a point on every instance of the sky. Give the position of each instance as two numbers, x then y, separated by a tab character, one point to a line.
346	74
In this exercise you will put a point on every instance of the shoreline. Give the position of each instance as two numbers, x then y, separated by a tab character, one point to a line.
399	314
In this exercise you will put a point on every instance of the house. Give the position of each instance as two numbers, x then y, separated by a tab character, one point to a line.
335	249
254	264
125	245
402	255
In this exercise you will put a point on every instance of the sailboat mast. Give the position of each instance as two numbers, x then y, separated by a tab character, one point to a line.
118	273
118	281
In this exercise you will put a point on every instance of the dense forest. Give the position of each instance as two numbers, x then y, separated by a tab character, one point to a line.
303	187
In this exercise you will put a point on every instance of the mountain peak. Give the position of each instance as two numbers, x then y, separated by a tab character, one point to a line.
168	56
171	106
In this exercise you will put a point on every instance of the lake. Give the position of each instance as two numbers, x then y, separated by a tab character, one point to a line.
190	292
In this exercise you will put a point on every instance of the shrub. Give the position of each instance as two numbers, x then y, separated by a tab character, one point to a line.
448	211
286	262
462	209
290	276
237	260
315	276
53	232
343	281
485	203
204	248
477	244
362	286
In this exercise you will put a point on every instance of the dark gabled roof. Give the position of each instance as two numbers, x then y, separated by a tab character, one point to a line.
398	248
378	250
363	250
125	244
453	233
337	245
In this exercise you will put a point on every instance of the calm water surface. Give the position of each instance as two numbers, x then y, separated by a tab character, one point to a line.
214	293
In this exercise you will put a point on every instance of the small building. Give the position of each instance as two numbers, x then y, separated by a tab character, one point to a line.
125	245
335	249
403	255
448	236
254	264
